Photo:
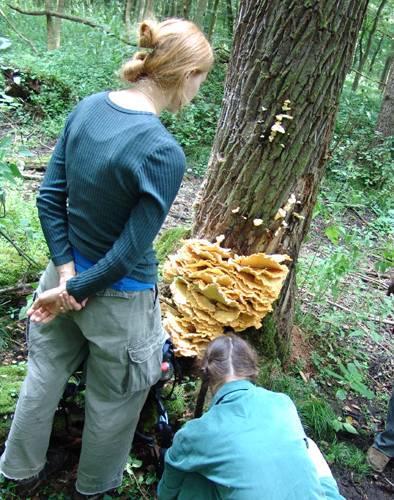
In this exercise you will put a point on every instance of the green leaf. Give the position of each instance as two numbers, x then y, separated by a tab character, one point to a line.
349	428
333	233
341	394
135	463
14	170
336	425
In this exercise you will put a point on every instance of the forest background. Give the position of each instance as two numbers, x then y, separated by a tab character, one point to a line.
340	371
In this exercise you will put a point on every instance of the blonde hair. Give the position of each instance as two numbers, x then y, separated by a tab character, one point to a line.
229	356
178	47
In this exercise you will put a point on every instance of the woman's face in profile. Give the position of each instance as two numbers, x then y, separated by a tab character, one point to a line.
190	89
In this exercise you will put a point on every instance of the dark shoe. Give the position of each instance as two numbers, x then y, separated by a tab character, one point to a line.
377	459
55	462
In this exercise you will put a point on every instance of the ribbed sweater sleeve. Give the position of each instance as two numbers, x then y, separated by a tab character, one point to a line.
159	179
52	204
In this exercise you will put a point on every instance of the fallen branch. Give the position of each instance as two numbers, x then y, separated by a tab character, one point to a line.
368	317
33	177
21	289
23	254
13	27
69	17
367	77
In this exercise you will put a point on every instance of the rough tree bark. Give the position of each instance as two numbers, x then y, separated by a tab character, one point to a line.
385	124
291	59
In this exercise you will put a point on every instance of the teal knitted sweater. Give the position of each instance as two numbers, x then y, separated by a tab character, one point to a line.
108	187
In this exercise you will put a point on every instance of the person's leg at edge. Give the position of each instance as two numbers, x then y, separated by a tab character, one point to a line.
55	352
382	450
125	360
384	441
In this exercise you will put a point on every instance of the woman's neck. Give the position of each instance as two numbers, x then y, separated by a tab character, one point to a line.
144	96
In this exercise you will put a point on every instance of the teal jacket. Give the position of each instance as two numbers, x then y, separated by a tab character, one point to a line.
249	445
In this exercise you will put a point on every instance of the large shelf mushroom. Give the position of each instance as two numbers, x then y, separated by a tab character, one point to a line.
213	289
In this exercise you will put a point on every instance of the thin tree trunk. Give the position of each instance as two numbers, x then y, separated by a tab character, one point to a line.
200	12
375	54
127	14
284	61
148	9
371	34
230	18
212	20
385	124
386	68
187	4
54	24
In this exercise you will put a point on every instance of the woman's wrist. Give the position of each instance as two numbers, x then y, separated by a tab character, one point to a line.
65	272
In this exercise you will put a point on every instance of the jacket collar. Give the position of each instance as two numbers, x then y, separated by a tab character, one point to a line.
234	385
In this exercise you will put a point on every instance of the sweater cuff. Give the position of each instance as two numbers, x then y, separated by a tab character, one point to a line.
59	260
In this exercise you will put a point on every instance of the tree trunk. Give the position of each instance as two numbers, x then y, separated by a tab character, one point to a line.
127	14
386	68
212	20
365	55
200	12
375	54
288	59
230	18
148	10
187	4
385	124
54	24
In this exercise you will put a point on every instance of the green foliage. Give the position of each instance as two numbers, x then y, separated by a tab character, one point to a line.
362	160
351	376
8	170
21	224
347	455
136	482
177	404
317	415
11	377
169	241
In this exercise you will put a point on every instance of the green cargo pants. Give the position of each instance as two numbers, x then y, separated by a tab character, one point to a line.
120	335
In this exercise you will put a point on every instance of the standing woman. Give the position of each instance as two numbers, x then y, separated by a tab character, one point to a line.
109	185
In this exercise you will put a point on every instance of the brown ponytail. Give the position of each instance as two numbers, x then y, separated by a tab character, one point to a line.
229	356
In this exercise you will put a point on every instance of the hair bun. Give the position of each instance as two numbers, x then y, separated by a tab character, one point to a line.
134	68
147	35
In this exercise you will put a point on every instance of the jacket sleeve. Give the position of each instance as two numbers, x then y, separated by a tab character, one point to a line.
52	203
178	463
159	180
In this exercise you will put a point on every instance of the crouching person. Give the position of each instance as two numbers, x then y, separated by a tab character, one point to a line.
249	445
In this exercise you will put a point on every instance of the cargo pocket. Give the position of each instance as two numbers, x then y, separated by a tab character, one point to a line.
145	365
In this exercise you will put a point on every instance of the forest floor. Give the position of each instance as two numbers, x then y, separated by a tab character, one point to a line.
352	485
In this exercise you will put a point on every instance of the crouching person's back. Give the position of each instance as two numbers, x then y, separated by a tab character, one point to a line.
249	445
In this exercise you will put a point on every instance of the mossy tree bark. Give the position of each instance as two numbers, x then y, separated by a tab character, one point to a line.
385	124
291	54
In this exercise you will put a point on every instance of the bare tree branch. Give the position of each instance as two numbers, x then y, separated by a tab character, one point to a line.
69	17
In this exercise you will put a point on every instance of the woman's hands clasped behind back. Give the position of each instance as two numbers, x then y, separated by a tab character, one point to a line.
56	301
